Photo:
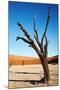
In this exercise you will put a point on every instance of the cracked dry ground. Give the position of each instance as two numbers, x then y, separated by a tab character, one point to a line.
28	75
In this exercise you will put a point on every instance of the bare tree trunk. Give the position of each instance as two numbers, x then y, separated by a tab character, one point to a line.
44	63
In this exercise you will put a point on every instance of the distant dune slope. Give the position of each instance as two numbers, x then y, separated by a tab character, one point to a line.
21	60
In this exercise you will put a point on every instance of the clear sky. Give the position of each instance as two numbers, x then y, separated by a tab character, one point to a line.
24	12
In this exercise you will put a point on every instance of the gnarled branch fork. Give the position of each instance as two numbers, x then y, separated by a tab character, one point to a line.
31	42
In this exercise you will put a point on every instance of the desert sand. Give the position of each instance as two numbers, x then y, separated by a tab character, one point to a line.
21	76
20	60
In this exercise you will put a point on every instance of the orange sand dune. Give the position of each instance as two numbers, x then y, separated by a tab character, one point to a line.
21	60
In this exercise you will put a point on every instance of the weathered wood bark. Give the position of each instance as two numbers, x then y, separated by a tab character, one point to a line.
46	70
41	50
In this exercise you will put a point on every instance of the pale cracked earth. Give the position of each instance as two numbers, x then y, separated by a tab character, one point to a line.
28	75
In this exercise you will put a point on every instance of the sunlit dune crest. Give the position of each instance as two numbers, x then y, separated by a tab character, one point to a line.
21	60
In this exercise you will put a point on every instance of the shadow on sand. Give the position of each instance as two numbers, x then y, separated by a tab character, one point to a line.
23	72
37	81
31	81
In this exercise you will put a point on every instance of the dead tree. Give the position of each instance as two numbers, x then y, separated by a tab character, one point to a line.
41	49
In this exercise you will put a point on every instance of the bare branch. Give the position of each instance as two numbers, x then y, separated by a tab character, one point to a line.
36	36
35	28
25	40
45	47
25	32
39	44
46	41
48	18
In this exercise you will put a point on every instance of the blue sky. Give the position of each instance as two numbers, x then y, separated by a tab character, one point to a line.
24	12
